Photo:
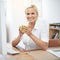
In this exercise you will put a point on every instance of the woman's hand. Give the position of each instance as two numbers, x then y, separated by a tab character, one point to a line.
28	30
24	29
21	30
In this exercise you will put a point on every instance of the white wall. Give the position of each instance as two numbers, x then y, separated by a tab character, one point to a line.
48	10
51	10
3	46
0	30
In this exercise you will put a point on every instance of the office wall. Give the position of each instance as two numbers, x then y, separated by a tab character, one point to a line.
0	30
3	46
49	11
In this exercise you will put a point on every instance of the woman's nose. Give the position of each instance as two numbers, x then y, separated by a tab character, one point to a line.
30	15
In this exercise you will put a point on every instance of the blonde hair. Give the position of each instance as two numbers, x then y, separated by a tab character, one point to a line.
34	7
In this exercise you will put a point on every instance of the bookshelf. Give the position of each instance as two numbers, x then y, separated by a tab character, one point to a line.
54	31
54	34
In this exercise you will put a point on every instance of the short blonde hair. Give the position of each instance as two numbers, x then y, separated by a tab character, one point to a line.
34	7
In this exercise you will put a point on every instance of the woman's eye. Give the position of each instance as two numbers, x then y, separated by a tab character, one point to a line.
27	13
33	13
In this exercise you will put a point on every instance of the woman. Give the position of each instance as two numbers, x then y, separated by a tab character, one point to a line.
31	35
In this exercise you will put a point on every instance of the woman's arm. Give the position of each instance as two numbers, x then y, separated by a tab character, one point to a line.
43	45
16	41
40	43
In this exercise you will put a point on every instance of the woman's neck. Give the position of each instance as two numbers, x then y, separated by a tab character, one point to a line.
31	25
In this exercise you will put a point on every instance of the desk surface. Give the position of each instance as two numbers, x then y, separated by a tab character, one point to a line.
32	55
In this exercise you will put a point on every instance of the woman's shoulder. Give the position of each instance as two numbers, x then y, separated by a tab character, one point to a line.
41	23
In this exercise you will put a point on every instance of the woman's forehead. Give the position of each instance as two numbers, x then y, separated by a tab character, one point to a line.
30	10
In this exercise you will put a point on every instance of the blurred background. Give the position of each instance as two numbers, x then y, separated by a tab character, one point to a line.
12	15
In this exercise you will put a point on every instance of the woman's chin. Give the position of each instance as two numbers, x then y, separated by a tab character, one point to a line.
31	21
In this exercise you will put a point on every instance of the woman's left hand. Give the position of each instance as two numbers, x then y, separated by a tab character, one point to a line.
28	30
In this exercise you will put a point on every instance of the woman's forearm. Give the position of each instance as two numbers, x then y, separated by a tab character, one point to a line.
40	43
16	41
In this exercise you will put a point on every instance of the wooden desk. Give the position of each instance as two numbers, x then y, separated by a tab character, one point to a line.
32	55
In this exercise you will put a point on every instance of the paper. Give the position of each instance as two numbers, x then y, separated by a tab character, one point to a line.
56	52
11	51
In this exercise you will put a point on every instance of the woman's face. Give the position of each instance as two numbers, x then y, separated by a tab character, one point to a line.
31	15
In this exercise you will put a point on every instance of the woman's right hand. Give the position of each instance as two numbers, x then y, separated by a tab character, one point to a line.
21	30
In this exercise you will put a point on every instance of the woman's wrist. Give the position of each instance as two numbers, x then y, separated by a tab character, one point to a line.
20	35
29	34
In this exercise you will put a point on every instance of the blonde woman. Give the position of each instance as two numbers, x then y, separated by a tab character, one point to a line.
34	36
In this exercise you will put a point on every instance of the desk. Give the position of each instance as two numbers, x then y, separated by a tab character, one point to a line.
33	55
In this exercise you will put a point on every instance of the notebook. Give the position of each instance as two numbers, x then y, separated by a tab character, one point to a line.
13	52
10	50
55	52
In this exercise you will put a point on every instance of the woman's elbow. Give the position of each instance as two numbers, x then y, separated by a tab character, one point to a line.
13	44
45	47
